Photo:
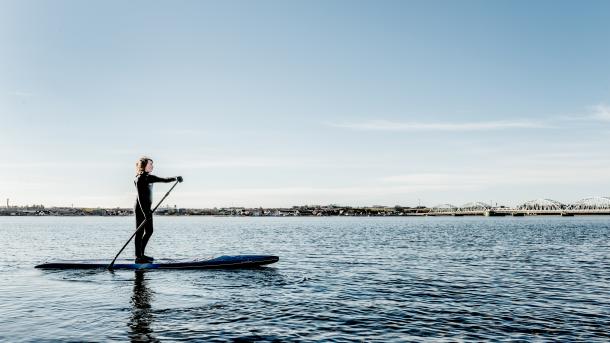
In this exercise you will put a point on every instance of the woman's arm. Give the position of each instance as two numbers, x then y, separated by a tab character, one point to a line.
153	179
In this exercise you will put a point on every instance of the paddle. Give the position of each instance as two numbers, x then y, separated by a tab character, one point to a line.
140	226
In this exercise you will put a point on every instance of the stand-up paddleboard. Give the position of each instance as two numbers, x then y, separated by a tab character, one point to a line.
222	262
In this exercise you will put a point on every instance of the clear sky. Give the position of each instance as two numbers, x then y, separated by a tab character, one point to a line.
280	103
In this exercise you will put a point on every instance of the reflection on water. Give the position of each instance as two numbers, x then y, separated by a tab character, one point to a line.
141	310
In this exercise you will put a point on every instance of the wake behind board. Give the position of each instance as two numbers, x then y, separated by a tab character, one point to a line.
221	262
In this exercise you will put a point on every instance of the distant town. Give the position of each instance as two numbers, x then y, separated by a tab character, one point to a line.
587	206
330	210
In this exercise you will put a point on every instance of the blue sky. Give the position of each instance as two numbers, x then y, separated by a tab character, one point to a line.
280	103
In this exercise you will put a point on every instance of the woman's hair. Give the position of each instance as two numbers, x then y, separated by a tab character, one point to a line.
141	164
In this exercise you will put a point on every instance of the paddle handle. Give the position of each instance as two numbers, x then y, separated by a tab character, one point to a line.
140	226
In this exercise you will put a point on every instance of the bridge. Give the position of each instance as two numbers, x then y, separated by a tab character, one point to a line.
586	206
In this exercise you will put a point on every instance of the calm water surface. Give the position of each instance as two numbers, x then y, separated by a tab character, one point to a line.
338	279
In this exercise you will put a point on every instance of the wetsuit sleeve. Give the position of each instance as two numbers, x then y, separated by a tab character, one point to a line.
153	179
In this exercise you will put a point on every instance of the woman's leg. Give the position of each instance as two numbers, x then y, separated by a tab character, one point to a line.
138	237
149	231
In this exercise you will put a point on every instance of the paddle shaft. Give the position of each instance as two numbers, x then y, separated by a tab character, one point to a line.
140	226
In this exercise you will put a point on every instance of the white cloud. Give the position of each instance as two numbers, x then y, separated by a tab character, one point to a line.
438	179
601	112
299	195
298	191
60	165
21	94
265	162
459	187
486	178
225	163
385	125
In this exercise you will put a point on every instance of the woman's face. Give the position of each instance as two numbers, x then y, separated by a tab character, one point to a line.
149	167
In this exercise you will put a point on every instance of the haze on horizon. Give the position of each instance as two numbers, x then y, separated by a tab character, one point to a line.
275	103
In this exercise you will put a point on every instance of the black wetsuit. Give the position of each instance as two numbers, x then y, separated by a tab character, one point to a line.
143	209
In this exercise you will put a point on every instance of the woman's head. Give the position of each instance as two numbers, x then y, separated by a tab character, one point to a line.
144	164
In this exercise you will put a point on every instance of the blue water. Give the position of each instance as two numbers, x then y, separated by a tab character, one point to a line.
338	279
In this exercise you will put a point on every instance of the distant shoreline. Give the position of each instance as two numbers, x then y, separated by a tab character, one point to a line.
305	211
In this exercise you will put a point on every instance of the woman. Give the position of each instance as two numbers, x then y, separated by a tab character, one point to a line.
143	181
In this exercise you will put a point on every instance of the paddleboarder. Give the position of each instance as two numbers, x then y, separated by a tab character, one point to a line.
144	184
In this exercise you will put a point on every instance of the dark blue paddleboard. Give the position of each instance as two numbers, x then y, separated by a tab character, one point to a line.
222	262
